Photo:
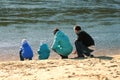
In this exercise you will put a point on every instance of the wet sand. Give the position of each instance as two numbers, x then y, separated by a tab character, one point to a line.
7	56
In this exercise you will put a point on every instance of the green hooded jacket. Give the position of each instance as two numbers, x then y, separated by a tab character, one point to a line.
61	44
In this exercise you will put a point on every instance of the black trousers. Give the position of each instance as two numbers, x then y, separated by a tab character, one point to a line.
21	57
64	57
82	49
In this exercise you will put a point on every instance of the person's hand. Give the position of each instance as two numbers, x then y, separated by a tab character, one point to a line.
74	52
92	47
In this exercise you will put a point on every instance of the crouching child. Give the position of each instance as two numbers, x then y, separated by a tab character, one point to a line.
43	51
25	51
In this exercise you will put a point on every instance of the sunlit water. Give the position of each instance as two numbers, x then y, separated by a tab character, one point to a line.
36	19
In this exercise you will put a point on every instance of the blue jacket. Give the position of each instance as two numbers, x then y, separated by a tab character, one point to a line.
26	50
43	51
61	44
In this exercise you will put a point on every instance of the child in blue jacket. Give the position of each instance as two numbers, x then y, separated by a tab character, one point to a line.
25	51
61	44
43	51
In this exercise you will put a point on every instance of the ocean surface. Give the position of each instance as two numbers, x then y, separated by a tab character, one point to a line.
35	20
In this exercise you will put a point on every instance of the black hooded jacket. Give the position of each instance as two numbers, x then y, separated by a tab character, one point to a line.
85	38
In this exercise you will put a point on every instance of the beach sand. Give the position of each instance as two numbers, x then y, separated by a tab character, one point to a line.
99	68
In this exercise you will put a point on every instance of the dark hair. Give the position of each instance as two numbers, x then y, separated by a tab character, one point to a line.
77	28
55	30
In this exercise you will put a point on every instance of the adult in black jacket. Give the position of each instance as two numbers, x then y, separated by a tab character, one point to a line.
83	42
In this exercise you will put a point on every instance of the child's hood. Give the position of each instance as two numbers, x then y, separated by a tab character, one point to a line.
24	43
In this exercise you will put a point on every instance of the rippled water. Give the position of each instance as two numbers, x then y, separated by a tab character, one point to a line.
35	20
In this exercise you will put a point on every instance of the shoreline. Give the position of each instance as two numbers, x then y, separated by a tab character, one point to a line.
14	56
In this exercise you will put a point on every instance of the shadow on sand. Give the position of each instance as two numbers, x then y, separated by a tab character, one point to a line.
99	57
105	57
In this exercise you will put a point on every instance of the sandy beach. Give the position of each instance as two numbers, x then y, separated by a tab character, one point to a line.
99	68
35	21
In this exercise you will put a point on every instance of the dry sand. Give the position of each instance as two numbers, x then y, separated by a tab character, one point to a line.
100	68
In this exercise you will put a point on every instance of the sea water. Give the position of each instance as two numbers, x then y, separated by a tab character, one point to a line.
35	20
